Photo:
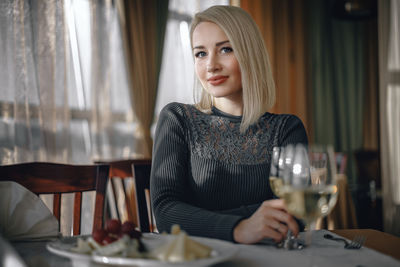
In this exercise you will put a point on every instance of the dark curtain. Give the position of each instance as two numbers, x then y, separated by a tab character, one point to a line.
338	78
143	24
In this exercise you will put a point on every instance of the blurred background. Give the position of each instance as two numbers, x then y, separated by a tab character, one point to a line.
85	80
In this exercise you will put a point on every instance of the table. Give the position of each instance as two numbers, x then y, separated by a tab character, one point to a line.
377	240
323	252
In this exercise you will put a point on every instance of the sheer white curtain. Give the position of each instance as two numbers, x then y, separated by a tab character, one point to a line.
64	94
389	87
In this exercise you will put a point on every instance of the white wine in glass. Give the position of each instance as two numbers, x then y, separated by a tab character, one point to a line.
276	184
310	203
280	162
310	191
276	171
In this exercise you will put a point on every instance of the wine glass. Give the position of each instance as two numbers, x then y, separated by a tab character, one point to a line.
280	161
276	170
310	188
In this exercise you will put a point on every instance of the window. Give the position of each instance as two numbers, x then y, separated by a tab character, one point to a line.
65	93
177	72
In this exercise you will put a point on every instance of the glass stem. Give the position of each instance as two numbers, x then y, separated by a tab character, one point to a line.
308	237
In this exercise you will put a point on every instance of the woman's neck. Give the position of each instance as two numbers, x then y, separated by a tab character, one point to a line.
228	106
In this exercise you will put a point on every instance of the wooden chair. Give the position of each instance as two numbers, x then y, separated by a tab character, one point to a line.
135	199
369	193
54	178
341	162
141	173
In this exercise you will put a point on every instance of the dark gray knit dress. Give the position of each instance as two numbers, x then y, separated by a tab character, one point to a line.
207	176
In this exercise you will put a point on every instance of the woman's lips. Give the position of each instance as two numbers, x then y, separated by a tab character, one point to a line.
217	80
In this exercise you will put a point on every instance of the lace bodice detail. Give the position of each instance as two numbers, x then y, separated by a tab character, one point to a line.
217	136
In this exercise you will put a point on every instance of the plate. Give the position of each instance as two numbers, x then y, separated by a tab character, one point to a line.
222	251
63	247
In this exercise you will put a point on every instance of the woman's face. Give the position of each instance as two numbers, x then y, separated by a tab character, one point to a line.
216	65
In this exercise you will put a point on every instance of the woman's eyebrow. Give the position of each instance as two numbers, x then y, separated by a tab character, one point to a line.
217	44
221	43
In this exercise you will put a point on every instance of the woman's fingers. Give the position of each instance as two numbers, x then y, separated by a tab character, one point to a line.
274	234
274	203
281	216
282	228
258	227
276	230
269	221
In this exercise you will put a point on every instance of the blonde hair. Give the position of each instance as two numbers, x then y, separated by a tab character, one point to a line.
251	53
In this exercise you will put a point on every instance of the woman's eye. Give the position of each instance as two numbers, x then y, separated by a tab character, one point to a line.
226	49
200	54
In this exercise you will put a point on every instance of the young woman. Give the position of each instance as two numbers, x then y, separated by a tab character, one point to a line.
211	160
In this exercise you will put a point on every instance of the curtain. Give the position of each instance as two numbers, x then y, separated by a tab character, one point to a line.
64	94
338	79
112	120
389	95
282	26
143	24
34	115
371	102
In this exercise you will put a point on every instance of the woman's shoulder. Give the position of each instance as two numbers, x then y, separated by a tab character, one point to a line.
176	107
289	128
181	110
173	107
282	118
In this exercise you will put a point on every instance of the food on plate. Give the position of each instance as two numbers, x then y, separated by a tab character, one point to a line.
124	240
115	239
181	248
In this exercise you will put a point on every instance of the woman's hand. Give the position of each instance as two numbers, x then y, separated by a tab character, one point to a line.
270	220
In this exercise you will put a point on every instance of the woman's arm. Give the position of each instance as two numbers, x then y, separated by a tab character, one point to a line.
292	131
271	219
171	197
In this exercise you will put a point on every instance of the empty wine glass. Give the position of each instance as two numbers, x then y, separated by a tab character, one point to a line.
310	187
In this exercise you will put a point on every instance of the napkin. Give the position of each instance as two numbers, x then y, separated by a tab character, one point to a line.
23	215
8	256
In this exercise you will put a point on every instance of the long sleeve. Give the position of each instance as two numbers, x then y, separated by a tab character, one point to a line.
292	132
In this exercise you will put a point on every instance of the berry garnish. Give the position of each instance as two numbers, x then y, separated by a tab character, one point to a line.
113	226
99	235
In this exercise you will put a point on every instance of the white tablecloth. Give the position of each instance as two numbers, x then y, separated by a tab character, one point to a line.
322	253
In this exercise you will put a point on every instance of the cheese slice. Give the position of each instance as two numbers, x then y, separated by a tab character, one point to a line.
181	248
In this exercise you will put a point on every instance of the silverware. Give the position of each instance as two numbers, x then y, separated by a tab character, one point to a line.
292	243
356	243
289	243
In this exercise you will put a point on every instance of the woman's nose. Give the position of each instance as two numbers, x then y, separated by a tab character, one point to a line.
212	64
210	68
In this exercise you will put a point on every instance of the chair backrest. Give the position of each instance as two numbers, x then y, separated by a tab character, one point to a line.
126	200
121	196
368	166
54	178
341	162
141	174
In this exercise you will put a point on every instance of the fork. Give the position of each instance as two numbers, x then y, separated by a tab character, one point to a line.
356	243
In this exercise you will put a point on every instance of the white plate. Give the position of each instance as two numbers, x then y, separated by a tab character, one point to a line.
63	247
222	251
